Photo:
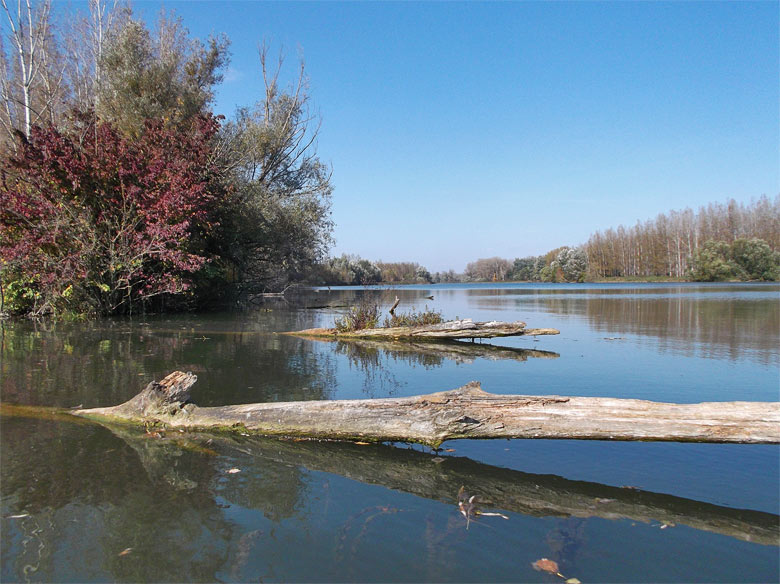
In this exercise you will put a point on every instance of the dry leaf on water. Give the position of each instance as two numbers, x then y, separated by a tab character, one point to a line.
545	565
363	443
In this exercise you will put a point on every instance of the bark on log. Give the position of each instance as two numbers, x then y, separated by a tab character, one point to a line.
454	329
466	412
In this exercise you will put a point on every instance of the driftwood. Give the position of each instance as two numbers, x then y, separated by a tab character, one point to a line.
437	478
466	412
453	329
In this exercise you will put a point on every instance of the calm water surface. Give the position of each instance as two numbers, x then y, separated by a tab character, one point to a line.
84	503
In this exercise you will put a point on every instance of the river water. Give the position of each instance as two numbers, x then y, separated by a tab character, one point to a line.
85	503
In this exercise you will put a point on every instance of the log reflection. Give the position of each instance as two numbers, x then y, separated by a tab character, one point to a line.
415	472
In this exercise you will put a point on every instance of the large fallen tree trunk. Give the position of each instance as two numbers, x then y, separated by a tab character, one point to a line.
466	412
419	473
453	329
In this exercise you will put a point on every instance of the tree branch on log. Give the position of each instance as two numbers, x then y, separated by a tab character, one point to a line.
394	306
466	412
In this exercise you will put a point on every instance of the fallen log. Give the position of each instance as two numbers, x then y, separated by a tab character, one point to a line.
453	329
437	477
466	412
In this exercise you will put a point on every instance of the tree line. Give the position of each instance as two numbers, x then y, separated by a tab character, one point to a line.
120	190
720	241
670	244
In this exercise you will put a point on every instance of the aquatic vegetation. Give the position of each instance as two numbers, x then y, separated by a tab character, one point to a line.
414	318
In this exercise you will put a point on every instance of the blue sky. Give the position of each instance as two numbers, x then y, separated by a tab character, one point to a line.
466	130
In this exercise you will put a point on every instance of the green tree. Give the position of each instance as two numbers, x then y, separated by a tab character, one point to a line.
167	76
524	269
711	262
573	263
755	259
277	225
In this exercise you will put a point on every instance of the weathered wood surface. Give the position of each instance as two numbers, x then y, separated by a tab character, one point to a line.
454	329
422	474
466	412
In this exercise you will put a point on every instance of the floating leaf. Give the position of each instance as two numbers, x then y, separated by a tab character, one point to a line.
363	443
233	470
125	551
449	450
545	565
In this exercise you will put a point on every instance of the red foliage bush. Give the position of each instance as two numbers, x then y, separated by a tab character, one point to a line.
91	220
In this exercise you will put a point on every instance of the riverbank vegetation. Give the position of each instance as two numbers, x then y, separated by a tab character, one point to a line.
121	190
730	241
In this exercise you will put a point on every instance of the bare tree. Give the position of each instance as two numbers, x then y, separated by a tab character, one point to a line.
85	46
31	79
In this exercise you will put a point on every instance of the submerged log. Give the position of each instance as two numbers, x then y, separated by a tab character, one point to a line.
453	329
460	351
466	412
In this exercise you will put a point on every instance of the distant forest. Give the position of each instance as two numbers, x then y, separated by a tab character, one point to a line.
720	241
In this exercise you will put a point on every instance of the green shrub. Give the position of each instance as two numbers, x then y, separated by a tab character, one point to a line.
363	316
414	318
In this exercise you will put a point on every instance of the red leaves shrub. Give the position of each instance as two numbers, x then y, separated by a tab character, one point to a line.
94	221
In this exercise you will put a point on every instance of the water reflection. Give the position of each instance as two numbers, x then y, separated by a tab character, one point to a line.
105	363
377	360
713	322
169	498
83	494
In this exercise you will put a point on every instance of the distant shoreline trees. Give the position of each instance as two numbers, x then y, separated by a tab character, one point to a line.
719	242
668	244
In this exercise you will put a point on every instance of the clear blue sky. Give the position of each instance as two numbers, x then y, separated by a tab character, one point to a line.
466	130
